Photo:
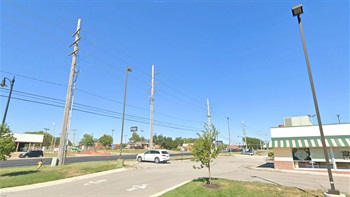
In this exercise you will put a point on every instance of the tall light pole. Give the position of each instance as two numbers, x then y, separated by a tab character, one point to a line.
53	136
93	141
128	69
338	118
229	134
310	117
3	83
112	135
297	11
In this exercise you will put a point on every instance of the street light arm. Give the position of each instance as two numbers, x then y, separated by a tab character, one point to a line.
3	82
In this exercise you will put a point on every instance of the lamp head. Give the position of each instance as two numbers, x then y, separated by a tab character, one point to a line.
3	83
128	69
297	10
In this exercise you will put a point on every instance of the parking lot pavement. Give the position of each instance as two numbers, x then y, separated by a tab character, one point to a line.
148	178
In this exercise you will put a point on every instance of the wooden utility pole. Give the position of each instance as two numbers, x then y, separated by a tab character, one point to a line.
62	146
151	99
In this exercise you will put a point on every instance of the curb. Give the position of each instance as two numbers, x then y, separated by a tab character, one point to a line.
169	189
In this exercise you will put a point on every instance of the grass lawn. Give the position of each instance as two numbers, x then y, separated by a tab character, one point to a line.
223	187
26	175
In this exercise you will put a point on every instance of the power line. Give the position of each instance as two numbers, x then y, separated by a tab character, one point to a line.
102	112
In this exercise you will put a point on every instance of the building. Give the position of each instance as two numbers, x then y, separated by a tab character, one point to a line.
26	142
299	146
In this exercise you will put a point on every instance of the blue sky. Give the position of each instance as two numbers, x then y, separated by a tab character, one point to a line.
246	57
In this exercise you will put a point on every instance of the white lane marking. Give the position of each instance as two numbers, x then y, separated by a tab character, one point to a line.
95	182
143	186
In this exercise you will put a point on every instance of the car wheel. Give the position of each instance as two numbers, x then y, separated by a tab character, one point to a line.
139	159
156	160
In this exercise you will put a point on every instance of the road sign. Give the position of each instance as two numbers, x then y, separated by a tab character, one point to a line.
133	129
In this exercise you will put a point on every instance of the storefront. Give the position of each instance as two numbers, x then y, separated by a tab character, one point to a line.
300	147
25	142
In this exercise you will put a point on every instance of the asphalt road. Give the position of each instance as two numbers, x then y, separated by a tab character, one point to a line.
150	179
72	159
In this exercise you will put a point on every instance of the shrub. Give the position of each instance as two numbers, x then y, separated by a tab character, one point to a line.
271	154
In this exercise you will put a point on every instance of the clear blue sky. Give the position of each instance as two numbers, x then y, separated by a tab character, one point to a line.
246	57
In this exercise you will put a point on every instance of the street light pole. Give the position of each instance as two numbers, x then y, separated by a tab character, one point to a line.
53	137
297	11
9	97
112	135
338	118
229	135
128	69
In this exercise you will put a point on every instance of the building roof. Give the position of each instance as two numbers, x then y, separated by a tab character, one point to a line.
32	138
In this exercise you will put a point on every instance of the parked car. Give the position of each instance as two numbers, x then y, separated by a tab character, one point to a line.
32	153
74	149
154	155
247	152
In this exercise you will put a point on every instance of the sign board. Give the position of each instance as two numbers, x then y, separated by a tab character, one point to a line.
133	129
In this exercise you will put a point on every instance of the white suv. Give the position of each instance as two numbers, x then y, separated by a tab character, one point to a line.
154	155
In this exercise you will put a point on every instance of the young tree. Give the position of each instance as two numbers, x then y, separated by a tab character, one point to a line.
106	140
7	143
204	149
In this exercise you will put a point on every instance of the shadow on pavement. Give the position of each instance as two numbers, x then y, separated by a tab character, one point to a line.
267	165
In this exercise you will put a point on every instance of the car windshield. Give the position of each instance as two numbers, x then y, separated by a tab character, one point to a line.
165	152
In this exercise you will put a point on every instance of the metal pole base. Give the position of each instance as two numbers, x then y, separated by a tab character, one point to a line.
333	193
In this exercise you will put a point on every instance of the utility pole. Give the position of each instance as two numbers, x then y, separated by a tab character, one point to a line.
151	99
245	137
61	151
46	129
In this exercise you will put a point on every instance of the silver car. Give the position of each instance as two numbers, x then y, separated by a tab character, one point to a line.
154	155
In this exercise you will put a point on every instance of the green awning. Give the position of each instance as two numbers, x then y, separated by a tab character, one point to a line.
315	141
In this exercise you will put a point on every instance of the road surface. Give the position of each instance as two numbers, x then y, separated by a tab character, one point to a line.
150	179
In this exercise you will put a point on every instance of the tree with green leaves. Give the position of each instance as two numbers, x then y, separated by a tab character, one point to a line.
204	149
106	140
7	143
135	137
47	137
253	142
87	140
